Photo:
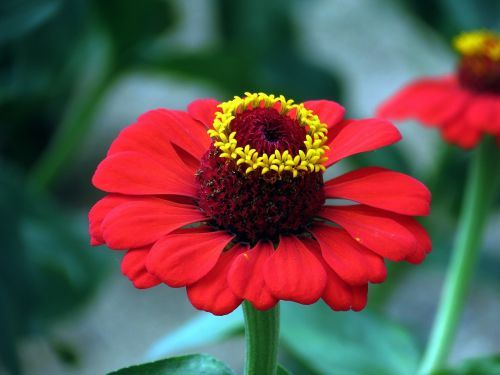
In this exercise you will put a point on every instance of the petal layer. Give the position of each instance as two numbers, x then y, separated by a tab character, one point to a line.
430	100
293	273
351	261
212	293
424	243
155	131
461	114
203	110
341	296
97	214
180	259
354	136
382	188
141	222
135	173
329	113
337	294
246	276
133	266
378	230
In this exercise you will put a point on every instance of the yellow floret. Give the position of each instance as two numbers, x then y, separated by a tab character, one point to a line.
481	43
315	143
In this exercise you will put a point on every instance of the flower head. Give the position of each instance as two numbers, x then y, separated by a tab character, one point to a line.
465	105
228	200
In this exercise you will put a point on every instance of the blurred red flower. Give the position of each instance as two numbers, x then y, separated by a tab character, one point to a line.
465	105
242	213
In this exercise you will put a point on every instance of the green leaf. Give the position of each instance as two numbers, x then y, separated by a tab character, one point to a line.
194	364
351	343
282	371
480	366
18	17
188	336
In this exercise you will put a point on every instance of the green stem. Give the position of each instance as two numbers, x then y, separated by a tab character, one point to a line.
262	339
479	194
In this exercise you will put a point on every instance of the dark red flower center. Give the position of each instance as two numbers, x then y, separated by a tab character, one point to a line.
266	130
255	205
479	73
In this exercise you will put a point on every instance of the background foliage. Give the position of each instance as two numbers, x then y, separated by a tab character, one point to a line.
73	72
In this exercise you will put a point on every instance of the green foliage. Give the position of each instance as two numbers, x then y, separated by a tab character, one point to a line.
194	364
46	269
131	27
351	343
317	337
282	371
20	17
480	366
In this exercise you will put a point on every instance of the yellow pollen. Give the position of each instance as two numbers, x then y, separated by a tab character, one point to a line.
478	43
309	160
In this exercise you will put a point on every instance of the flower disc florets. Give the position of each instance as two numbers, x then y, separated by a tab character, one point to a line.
263	175
479	68
309	156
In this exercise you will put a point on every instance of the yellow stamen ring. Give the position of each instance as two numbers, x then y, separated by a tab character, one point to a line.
309	160
478	43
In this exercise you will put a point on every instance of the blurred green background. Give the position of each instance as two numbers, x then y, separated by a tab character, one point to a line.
73	73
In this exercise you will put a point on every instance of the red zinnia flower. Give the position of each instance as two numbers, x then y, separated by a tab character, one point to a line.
464	105
241	212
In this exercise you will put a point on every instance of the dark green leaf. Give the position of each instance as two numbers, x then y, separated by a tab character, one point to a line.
480	366
351	343
18	17
194	364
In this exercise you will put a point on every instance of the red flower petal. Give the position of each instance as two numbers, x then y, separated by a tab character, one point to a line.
337	294
354	136
494	126
382	188
138	174
424	243
293	273
203	110
246	276
341	296
182	259
97	214
458	132
141	222
359	297
329	113
133	266
480	112
441	107
461	114
212	292
352	262
431	101
379	231
155	130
